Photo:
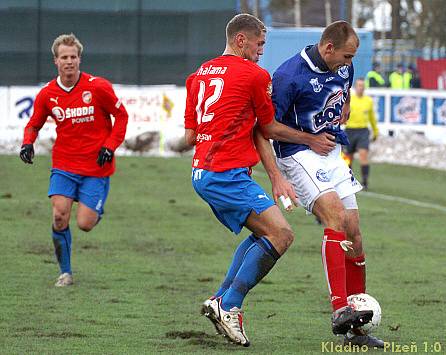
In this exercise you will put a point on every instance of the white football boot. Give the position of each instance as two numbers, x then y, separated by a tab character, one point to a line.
230	322
208	313
64	279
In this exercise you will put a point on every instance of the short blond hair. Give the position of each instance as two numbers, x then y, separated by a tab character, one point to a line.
67	40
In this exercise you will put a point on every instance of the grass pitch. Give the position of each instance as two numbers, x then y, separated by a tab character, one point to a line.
143	272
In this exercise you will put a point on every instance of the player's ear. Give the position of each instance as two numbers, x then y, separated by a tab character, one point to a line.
329	48
240	39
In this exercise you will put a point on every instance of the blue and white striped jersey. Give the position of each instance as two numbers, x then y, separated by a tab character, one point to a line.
309	97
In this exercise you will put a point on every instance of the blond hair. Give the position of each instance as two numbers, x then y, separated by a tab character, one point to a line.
67	40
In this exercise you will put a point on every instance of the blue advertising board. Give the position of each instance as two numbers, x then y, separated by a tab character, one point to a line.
439	112
408	110
378	104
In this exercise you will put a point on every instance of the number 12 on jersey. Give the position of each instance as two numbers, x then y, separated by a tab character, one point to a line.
203	114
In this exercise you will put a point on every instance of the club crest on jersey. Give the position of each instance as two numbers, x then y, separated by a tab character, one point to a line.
58	113
315	84
322	175
331	113
343	72
86	97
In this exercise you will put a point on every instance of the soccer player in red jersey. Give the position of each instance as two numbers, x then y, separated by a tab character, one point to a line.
83	153
226	96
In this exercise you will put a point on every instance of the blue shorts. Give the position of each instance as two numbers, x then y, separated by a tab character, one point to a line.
91	191
232	195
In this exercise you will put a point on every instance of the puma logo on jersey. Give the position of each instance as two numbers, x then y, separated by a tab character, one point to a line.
263	196
55	100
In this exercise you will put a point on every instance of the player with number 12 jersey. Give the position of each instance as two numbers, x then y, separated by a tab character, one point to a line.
224	98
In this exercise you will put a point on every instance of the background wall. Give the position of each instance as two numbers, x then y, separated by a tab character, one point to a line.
127	41
283	43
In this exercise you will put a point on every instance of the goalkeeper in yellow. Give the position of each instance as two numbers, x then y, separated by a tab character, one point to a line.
362	115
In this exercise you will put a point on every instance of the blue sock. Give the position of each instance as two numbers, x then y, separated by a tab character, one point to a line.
259	260
62	247
237	260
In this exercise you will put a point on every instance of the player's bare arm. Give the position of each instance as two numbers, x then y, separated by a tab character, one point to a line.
280	186
345	114
322	143
190	137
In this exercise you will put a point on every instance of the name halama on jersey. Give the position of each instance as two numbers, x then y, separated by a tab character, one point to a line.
211	70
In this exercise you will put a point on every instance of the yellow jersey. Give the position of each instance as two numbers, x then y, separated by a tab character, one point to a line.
362	113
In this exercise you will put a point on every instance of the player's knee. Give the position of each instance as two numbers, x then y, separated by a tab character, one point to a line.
60	220
357	245
287	237
85	226
337	220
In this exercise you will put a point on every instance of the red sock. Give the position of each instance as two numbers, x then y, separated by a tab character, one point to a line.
355	274
333	259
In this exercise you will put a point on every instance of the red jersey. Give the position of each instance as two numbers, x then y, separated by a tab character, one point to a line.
83	123
224	98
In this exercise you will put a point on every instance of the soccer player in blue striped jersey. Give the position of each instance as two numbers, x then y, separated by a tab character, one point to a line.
311	94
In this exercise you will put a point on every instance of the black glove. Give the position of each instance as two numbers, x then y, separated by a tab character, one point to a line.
27	153
105	155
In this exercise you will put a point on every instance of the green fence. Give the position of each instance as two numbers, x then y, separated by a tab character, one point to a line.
143	42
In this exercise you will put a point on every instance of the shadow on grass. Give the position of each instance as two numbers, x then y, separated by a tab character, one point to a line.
201	339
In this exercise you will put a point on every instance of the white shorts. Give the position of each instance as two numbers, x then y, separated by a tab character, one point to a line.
313	175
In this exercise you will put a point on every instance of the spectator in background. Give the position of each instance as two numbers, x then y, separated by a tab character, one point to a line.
81	106
374	78
441	81
362	114
415	81
396	78
407	77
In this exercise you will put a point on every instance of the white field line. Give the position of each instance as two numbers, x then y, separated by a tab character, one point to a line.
404	200
376	195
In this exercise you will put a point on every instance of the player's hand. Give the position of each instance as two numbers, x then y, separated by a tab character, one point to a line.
374	138
281	187
105	156
322	143
27	153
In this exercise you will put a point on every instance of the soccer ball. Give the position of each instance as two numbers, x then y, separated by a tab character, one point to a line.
365	302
